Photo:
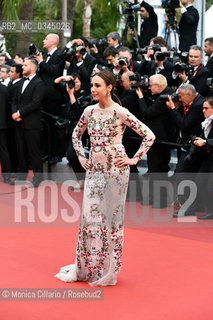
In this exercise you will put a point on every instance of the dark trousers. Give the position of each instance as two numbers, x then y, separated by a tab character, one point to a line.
158	158
29	151
4	154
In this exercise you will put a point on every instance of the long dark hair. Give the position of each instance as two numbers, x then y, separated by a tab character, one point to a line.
109	78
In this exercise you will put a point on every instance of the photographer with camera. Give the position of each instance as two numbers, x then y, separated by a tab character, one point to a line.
110	54
50	67
81	62
74	108
156	115
193	73
201	163
188	116
129	100
160	64
131	64
188	25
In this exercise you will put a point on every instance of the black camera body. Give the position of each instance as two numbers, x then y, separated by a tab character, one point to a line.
71	83
180	67
131	7
33	50
141	81
101	44
192	149
170	4
154	47
122	61
174	97
85	101
161	56
69	52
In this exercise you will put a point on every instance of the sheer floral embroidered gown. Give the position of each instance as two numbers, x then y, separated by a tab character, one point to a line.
99	248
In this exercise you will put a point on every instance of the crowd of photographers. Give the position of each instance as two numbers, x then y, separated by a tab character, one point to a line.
170	91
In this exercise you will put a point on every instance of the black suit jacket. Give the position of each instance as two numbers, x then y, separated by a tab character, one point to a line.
199	80
149	27
190	123
157	116
12	89
209	66
3	110
188	28
48	72
149	68
84	70
29	103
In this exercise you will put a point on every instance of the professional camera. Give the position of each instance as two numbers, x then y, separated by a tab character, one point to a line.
101	44
174	97
180	67
85	101
141	81
192	149
69	52
170	4
33	50
71	83
184	56
122	61
131	7
209	82
154	47
161	56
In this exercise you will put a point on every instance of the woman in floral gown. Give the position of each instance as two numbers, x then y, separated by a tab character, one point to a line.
100	240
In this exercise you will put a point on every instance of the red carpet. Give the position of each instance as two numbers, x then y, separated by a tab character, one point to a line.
166	273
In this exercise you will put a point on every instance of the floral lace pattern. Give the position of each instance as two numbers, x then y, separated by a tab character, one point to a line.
100	240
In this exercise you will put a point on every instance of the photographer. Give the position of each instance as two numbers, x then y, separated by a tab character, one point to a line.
194	73
110	54
157	117
50	67
188	117
81	62
129	100
202	147
131	64
188	25
149	25
73	112
159	65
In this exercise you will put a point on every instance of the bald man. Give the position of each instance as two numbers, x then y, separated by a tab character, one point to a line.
49	69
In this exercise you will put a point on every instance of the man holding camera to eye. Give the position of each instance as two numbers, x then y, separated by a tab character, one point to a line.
131	64
188	117
156	116
194	73
49	69
188	25
81	62
129	100
159	64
